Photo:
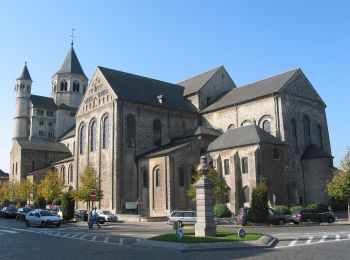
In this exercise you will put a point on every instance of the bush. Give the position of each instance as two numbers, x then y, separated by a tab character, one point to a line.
311	206
56	202
295	207
40	203
282	209
221	211
68	205
259	204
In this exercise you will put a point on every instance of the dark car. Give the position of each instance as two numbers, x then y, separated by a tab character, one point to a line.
83	214
274	217
311	215
22	212
8	212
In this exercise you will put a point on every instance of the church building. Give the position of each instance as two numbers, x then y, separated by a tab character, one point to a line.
145	136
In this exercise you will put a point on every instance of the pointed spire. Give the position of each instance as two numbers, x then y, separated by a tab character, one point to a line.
71	64
25	73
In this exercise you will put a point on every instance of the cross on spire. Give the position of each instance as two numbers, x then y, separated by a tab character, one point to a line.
73	36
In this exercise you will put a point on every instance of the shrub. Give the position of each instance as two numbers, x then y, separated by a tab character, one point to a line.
282	209
311	206
295	207
56	201
68	205
259	204
40	203
221	211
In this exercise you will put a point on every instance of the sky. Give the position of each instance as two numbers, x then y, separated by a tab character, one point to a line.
174	40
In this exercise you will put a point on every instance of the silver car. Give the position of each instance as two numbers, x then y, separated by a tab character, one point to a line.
42	218
184	217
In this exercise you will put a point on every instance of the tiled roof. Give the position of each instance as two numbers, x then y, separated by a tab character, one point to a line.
166	149
43	146
71	64
65	107
43	102
68	134
243	136
144	90
25	74
252	91
3	174
313	151
206	131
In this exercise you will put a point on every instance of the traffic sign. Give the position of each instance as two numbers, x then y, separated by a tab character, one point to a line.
139	202
180	233
241	233
93	196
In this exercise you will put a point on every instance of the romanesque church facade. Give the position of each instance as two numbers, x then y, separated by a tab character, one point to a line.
144	136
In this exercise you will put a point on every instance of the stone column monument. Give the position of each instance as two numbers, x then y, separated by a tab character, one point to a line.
205	225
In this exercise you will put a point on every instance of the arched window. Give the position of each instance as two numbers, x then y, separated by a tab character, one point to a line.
73	148
63	85
105	136
82	140
319	135
246	122
181	177
145	178
63	174
246	194
93	136
70	173
307	135
266	126
157	177
76	86
157	132
231	126
183	128
294	130
130	130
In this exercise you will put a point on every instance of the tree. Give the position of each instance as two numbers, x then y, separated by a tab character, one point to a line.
51	186
89	182
9	191
339	186
68	205
24	192
220	189
259	204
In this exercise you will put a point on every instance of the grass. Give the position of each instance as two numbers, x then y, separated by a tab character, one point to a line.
220	237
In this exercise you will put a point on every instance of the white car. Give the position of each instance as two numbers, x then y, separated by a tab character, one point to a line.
42	218
184	217
107	215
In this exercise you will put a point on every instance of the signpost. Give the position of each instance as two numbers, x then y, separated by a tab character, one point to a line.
93	196
180	233
241	233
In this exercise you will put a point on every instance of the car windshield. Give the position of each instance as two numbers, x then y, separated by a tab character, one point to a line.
45	213
26	210
107	212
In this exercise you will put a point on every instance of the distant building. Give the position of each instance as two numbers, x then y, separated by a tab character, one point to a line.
144	136
4	177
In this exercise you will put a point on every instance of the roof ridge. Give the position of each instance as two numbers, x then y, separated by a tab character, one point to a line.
216	68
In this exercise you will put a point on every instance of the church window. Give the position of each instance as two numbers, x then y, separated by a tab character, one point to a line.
157	132
183	128
41	123
227	166
130	130
105	137
181	177
50	134
22	86
76	86
319	135
49	113
294	130
33	166
50	123
82	140
246	194
246	122
63	173
276	154
157	177
63	85
41	133
267	126
70	173
145	178
93	136
16	169
307	135
231	126
40	112
13	169
73	148
244	165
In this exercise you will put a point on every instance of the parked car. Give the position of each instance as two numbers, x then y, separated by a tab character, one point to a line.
57	210
274	217
79	214
184	217
8	212
85	218
107	215
32	206
42	218
311	215
22	213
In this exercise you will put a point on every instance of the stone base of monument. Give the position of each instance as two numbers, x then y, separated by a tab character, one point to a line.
205	229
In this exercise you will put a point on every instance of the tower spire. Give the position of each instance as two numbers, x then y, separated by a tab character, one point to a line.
72	36
25	73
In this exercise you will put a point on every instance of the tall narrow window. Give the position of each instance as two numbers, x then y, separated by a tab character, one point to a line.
276	154
82	140
63	174
105	137
16	168
93	136
63	85
76	86
307	135
244	165
157	178
319	134
246	193
73	148
267	126
181	177
70	173
294	130
157	132
130	130
227	166
33	166
145	178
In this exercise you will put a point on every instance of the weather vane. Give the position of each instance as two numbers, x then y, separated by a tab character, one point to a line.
72	35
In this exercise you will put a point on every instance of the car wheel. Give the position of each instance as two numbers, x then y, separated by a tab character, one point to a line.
43	224
58	224
27	223
296	223
330	220
281	222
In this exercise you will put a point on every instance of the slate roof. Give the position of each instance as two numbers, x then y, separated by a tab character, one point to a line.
71	64
3	174
25	74
69	159
43	146
68	134
192	85
252	91
243	136
206	131
313	151
65	107
144	90
43	102
166	149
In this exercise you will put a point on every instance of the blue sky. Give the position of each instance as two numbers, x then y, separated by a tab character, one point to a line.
173	40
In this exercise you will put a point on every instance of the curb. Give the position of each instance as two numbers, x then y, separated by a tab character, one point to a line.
266	241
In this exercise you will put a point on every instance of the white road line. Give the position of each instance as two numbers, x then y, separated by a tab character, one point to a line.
349	236
294	242
309	240
82	237
93	238
322	239
67	235
106	240
337	237
121	241
9	231
75	236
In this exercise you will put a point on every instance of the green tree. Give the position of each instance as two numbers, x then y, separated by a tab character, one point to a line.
9	191
220	189
40	202
68	204
339	186
24	192
89	182
51	186
259	204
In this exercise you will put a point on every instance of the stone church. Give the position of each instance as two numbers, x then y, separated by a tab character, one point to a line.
145	136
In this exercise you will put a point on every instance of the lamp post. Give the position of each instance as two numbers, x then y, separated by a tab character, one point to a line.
205	225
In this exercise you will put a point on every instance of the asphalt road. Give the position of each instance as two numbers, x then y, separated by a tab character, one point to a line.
117	241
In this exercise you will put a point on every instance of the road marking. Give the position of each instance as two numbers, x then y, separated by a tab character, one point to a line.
309	240
121	241
337	237
106	240
349	236
322	239
93	238
294	242
9	231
